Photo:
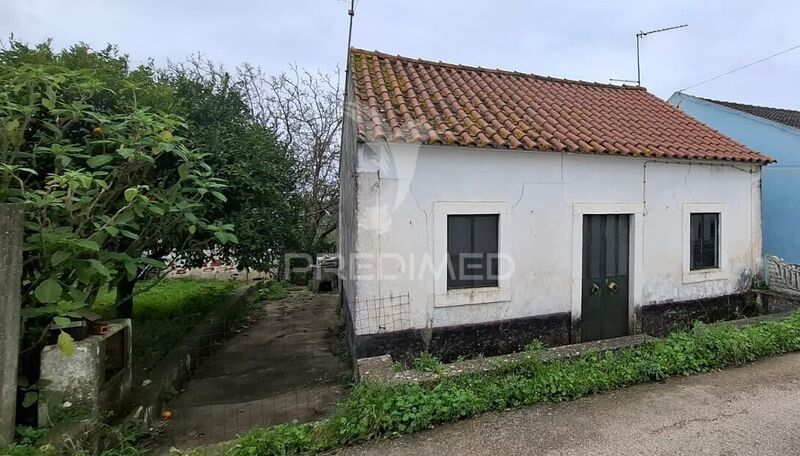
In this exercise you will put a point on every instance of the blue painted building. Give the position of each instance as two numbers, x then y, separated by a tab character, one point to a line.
774	132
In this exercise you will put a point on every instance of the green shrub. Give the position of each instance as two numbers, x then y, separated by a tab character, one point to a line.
377	410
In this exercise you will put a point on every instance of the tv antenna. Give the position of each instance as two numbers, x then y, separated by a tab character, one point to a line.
639	36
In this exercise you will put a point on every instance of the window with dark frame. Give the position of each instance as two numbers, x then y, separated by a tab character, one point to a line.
704	241
472	250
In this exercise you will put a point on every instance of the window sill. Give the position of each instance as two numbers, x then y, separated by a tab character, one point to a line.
468	296
704	275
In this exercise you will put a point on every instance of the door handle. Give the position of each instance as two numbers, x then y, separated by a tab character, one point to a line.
595	289
613	287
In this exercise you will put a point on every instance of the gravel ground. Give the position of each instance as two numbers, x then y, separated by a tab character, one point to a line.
750	410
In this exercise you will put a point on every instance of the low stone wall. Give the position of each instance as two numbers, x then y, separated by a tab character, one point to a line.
383	369
175	369
664	318
84	378
450	342
773	302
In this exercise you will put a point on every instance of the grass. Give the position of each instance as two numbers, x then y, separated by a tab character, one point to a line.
375	410
170	298
274	291
165	311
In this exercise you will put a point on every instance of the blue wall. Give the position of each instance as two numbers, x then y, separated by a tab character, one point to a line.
780	181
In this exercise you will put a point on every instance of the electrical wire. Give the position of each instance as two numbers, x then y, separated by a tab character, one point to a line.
740	68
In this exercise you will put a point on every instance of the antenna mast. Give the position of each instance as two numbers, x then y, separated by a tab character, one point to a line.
639	36
351	12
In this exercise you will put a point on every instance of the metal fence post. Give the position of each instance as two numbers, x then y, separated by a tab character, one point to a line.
10	284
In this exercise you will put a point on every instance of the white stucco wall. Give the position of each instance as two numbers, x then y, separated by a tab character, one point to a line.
405	192
347	231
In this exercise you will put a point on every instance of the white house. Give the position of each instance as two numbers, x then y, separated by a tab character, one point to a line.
484	208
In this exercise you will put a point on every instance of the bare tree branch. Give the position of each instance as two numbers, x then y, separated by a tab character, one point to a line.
304	110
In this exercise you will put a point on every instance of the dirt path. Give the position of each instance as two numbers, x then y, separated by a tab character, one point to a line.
752	410
282	368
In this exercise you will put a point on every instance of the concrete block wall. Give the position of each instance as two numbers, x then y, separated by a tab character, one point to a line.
10	297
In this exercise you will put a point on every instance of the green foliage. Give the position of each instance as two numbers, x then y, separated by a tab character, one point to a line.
282	440
99	188
274	291
125	443
164	311
187	299
21	449
376	410
262	200
263	204
426	362
27	435
126	86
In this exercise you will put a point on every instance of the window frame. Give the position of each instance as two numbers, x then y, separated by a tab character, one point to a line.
488	261
442	297
721	271
693	241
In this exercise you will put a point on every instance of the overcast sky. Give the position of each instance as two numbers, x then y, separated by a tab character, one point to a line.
589	40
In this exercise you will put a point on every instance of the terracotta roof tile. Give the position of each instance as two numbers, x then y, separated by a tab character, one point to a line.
418	101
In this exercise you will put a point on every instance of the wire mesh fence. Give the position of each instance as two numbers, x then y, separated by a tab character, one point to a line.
386	314
278	365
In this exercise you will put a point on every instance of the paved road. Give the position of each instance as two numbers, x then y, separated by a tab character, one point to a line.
751	410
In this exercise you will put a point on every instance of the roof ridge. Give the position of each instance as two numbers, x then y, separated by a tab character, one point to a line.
749	105
495	70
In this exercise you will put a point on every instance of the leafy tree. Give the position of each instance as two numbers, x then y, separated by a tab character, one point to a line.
262	196
103	186
123	85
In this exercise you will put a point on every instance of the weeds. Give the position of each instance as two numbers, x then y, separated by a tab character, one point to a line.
534	347
101	440
376	410
274	291
428	363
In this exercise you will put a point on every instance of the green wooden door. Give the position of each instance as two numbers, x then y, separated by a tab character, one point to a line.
604	299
